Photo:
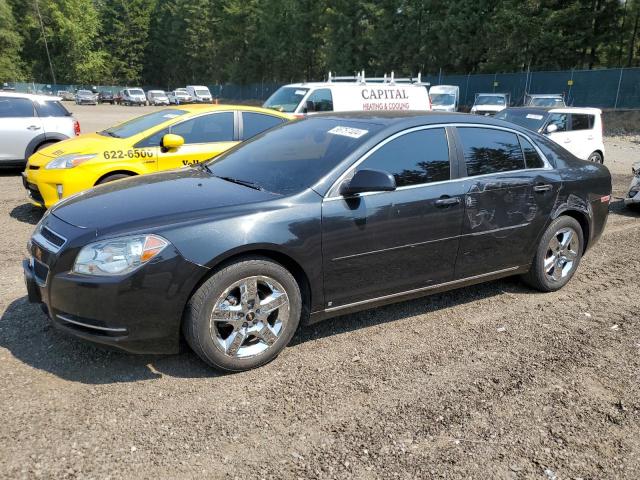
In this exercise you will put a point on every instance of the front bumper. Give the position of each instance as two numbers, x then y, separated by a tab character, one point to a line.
47	187
140	312
633	200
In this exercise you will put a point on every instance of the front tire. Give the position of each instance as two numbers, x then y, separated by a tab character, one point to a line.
244	315
596	157
558	255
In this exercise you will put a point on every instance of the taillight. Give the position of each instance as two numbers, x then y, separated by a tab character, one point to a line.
76	127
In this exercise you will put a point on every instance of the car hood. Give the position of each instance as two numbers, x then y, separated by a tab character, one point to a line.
153	200
86	143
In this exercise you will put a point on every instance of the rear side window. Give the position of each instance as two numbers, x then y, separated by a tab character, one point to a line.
489	151
531	156
561	120
15	107
322	99
581	121
51	109
255	123
414	158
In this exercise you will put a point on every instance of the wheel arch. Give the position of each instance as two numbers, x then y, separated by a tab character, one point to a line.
583	219
279	257
131	173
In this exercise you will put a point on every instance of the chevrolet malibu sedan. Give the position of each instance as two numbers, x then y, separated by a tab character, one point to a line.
309	220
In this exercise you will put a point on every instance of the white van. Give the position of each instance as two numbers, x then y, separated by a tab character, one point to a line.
490	103
344	94
199	93
444	98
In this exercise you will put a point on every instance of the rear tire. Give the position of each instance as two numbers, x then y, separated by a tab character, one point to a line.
558	255
596	157
244	315
113	178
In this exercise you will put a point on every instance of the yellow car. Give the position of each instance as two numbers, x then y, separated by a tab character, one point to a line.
169	138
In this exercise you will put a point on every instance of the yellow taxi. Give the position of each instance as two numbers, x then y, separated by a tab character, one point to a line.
165	139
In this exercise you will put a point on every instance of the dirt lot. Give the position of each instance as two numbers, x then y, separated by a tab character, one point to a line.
493	381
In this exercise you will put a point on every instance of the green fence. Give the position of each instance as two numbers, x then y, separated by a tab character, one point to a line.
607	88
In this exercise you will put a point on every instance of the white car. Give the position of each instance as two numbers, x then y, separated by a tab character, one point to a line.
578	130
157	97
490	103
199	93
633	197
29	123
179	96
344	94
133	96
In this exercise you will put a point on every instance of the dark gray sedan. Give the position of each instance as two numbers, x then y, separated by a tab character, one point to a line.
313	219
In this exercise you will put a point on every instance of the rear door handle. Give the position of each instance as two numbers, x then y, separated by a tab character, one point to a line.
542	187
33	127
447	202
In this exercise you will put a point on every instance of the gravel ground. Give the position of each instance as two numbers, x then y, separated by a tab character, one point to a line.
491	381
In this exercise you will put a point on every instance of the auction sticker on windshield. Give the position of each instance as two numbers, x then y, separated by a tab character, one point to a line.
348	132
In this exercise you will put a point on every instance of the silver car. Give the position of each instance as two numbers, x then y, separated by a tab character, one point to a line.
31	122
632	199
86	97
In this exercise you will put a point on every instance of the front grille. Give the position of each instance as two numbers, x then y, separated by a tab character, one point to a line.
35	193
52	237
40	271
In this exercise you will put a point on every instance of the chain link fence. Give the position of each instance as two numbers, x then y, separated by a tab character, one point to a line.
607	88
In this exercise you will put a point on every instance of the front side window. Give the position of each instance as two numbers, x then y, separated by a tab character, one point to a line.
322	100
255	123
414	158
488	151
15	107
217	127
561	120
581	121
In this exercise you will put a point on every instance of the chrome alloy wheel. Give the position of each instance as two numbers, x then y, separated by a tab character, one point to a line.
249	316
561	254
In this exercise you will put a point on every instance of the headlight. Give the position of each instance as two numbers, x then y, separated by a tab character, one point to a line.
69	161
118	256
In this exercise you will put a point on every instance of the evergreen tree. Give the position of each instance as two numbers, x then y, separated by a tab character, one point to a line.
11	67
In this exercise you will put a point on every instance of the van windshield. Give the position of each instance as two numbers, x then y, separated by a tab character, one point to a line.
443	99
136	91
547	102
489	100
286	99
201	91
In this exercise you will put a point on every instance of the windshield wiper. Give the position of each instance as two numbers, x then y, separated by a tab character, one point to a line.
202	166
239	181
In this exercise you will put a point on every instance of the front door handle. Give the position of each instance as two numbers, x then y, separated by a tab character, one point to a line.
567	140
445	202
33	127
542	187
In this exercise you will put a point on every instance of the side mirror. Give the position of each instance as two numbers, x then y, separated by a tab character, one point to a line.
368	181
551	128
170	141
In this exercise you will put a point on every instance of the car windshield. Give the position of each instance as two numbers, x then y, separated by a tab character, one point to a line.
443	99
489	100
546	102
286	99
525	118
156	94
136	91
289	158
140	124
84	92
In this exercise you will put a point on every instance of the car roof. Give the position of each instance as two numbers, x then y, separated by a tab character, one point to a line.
352	84
200	108
32	96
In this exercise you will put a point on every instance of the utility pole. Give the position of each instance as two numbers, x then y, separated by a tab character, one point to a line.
46	45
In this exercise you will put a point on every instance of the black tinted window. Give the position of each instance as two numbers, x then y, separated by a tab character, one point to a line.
217	127
580	121
51	109
322	99
489	151
414	158
255	123
561	120
294	155
531	155
15	107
